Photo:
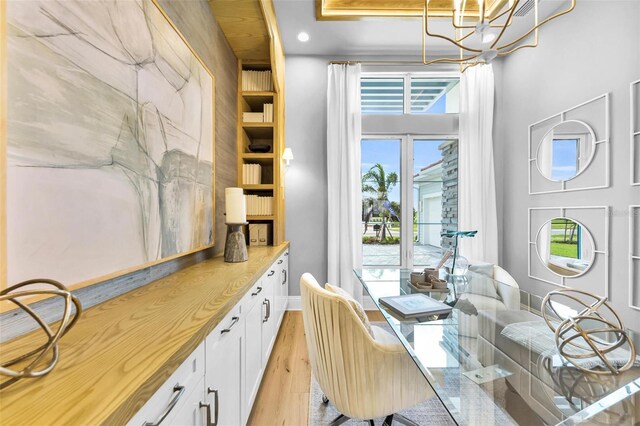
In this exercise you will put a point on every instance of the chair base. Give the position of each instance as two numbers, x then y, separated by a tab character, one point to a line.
387	421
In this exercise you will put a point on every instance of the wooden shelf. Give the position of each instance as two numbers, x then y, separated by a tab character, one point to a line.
256	125
261	187
263	94
260	218
258	155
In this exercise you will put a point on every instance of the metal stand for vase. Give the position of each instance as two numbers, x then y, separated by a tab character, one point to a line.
235	249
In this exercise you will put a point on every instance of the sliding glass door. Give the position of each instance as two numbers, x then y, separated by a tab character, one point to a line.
409	193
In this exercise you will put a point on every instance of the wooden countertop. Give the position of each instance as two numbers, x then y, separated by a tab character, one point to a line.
121	351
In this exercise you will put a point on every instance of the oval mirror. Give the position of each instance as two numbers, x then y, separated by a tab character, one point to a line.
565	247
565	150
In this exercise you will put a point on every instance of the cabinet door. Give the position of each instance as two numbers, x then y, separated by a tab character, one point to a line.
284	282
223	370
253	353
268	319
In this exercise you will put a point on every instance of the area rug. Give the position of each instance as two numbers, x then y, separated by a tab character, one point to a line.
429	412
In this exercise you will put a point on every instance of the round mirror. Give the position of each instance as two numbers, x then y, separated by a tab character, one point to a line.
566	150
565	247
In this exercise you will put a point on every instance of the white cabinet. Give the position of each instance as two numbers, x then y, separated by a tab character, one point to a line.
219	381
253	352
223	370
166	405
282	287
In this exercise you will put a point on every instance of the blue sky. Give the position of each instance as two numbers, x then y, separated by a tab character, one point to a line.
564	159
387	153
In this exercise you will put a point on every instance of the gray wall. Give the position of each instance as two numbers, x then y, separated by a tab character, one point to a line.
577	60
306	177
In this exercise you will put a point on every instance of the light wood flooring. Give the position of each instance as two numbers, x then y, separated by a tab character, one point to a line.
283	398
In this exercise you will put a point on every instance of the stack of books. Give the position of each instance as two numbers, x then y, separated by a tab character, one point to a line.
268	113
251	174
257	81
253	117
259	206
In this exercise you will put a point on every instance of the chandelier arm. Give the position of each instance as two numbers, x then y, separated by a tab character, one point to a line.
465	37
564	12
503	13
453	22
453	41
511	12
451	60
517	48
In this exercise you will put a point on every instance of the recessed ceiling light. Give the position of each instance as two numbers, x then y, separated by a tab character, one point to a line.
303	37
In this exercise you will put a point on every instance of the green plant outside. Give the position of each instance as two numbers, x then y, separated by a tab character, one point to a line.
564	249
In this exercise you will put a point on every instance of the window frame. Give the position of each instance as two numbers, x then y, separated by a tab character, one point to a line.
406	188
407	76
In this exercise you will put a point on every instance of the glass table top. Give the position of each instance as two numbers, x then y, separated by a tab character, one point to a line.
492	360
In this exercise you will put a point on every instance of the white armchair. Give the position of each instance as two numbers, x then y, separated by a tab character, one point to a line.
365	377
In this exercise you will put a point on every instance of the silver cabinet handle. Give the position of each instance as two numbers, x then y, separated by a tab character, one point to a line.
271	273
257	291
267	303
284	278
208	407
215	405
234	320
178	391
286	254
280	261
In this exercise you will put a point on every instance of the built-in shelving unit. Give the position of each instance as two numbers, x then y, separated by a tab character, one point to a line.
268	132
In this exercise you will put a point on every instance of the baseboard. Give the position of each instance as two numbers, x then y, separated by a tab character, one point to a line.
295	303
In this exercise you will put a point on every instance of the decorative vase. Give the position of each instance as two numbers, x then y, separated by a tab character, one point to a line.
457	265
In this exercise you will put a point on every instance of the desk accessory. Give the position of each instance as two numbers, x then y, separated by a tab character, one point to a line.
34	369
410	306
456	264
581	344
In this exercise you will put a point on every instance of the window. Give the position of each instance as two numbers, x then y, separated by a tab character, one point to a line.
413	173
565	159
382	95
408	93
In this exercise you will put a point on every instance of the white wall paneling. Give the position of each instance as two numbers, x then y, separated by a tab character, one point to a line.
596	174
595	220
634	256
634	126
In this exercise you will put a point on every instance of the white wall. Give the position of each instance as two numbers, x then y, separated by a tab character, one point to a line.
306	177
593	50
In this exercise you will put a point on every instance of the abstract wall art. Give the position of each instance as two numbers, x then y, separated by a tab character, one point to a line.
110	140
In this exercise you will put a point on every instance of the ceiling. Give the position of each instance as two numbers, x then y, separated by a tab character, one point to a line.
379	36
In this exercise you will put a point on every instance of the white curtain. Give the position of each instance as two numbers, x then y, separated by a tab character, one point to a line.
343	176
476	179
545	155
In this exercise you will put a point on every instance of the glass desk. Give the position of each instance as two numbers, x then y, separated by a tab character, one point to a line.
484	377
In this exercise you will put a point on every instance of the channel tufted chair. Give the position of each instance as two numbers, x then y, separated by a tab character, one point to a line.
364	376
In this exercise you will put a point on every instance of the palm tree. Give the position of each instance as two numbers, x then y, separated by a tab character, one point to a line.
377	182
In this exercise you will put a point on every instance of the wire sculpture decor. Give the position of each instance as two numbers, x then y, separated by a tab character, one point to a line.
34	363
588	338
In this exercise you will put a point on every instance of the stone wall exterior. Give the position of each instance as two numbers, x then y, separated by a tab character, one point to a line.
449	151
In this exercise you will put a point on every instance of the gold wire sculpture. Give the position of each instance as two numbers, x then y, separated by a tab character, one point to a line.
590	333
37	355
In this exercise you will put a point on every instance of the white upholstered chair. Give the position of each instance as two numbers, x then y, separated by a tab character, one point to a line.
504	295
364	377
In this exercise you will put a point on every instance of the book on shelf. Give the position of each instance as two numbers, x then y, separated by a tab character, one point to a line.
256	81
253	117
268	113
259	205
251	174
413	306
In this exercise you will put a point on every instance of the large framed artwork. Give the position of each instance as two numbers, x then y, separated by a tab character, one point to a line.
109	142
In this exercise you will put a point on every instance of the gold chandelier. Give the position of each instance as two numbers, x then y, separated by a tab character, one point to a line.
478	30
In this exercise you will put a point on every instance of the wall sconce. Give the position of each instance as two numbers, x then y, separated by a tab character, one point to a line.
287	155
